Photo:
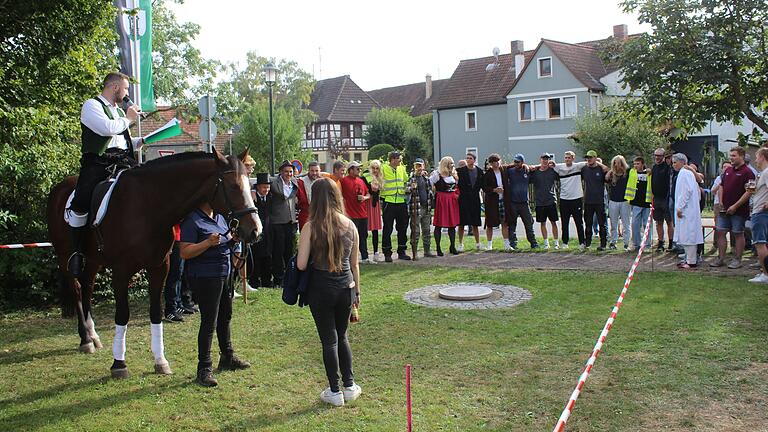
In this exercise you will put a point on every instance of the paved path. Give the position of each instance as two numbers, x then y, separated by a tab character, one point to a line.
575	260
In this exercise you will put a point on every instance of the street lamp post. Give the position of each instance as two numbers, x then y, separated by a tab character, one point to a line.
270	76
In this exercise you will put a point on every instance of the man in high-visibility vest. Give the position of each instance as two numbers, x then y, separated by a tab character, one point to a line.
394	207
638	193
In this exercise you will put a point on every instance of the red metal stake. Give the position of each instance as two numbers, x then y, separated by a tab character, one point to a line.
409	414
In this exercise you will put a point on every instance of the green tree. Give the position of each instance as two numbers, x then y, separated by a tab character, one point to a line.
702	60
181	74
379	151
254	134
243	87
390	126
610	133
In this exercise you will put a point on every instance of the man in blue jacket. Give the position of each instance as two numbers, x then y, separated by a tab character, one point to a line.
516	195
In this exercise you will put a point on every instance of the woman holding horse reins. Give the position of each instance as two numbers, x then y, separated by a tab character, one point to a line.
205	245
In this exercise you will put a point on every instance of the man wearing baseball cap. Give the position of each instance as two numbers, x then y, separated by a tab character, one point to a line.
544	178
420	208
355	192
593	175
516	194
394	209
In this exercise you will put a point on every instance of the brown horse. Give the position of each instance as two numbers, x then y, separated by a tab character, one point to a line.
136	233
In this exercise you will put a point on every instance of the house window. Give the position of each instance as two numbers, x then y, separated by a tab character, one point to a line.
554	108
569	106
525	111
357	156
472	150
345	130
540	109
470	121
358	131
315	157
545	67
594	101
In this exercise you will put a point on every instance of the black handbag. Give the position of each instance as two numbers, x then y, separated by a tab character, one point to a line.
295	283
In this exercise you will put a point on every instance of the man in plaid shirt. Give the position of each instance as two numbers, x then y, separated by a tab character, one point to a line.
421	197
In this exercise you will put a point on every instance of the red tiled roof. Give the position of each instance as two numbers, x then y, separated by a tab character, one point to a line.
340	99
472	85
582	61
412	96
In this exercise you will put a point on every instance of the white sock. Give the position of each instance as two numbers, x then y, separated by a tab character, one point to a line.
158	350
557	243
490	244
118	344
505	242
546	242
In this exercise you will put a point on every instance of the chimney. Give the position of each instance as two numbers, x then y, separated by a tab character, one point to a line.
620	31
428	86
518	50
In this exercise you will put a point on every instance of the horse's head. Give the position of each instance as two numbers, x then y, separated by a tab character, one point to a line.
233	197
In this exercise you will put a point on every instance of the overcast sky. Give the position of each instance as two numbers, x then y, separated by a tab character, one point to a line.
394	42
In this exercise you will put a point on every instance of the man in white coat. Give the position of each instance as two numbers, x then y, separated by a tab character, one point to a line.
688	232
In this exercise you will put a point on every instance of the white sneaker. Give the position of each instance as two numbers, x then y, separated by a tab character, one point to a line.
370	260
329	397
546	245
480	246
582	247
565	246
461	247
377	256
761	278
352	392
237	294
490	246
250	288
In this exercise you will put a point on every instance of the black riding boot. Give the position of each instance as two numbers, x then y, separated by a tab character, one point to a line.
438	232
76	262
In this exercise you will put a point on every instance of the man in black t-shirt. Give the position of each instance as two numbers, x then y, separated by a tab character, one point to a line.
543	179
661	175
593	174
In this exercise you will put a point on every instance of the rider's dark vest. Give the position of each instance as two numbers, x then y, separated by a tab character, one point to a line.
97	144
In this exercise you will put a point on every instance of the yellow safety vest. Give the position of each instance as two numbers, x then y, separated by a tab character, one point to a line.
631	190
393	190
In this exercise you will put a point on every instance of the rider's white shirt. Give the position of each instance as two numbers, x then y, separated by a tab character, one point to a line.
93	116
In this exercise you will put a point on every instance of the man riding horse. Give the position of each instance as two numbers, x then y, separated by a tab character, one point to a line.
106	141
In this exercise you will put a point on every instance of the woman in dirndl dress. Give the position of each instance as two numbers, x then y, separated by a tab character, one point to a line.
493	187
374	180
446	202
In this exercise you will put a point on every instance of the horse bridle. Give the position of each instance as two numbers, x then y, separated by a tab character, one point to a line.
233	216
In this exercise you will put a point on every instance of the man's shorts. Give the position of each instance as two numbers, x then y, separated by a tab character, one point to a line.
731	223
661	210
546	212
760	227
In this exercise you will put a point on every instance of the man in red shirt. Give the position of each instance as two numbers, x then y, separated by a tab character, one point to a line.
735	208
355	192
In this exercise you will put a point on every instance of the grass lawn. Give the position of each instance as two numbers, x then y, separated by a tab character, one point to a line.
687	352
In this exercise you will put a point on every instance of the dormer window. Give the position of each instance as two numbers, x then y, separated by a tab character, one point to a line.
545	67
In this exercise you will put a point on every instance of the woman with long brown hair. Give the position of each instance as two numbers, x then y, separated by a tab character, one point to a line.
331	239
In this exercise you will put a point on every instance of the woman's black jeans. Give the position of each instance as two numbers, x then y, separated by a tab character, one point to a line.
215	301
330	308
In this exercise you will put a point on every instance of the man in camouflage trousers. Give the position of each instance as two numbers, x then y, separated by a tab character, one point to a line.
420	208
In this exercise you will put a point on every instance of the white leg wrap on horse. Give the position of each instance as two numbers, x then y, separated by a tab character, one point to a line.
91	326
158	350
118	345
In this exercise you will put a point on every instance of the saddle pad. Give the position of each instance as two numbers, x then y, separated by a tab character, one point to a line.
75	221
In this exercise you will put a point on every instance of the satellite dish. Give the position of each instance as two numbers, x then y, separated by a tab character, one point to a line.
490	67
493	65
496	52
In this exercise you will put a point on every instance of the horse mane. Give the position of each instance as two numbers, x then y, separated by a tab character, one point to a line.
170	161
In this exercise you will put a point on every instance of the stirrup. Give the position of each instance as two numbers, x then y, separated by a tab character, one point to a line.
76	263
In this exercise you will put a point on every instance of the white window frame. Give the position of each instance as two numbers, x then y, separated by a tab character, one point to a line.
520	118
546	109
466	121
472	150
549	108
551	67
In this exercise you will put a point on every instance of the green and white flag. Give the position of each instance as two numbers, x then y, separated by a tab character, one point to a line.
134	25
170	130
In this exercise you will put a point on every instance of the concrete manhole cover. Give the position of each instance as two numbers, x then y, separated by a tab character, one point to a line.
465	293
468	296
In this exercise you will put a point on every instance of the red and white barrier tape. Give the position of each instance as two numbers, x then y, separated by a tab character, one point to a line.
25	245
560	426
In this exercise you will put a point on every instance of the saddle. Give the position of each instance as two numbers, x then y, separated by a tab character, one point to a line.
100	197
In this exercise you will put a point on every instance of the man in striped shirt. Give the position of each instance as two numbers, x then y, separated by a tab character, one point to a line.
571	194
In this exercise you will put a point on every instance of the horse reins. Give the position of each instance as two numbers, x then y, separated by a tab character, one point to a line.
232	217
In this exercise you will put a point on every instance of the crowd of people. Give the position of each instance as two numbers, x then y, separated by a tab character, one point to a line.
336	212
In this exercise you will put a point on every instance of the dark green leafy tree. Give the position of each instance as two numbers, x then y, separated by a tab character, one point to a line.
379	151
609	132
702	60
390	126
254	134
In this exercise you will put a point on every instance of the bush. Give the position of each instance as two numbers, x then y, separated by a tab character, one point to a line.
611	133
389	125
380	151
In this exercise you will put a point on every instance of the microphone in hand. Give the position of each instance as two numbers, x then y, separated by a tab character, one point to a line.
127	102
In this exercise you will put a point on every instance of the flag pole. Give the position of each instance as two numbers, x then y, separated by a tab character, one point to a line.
137	68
